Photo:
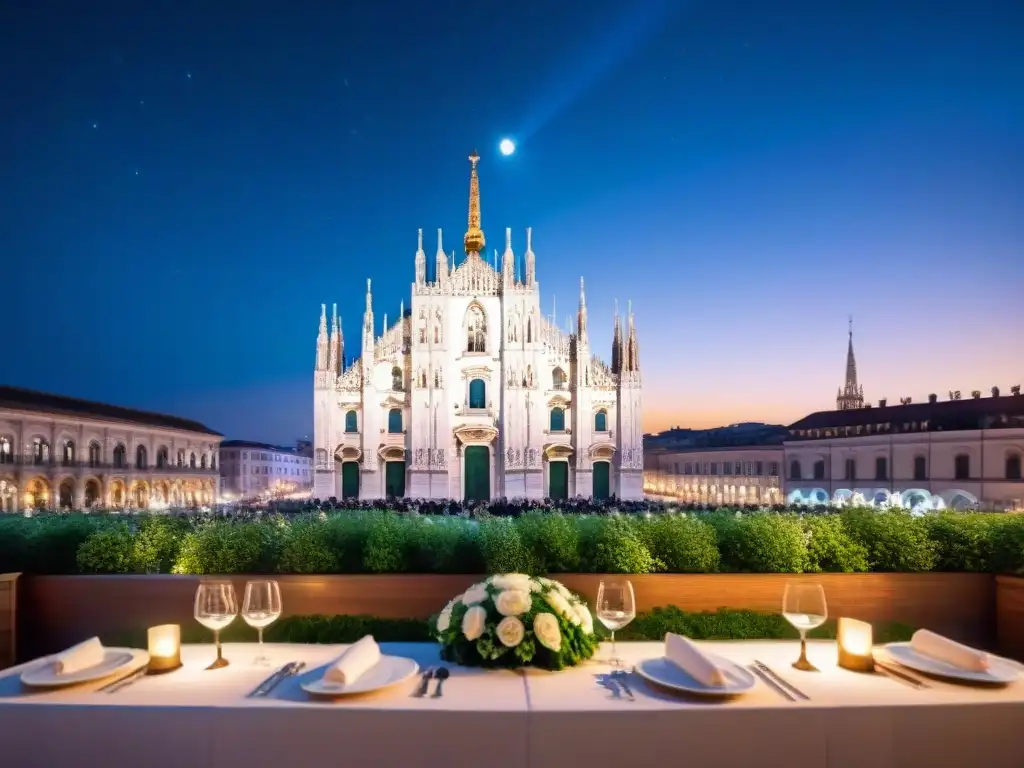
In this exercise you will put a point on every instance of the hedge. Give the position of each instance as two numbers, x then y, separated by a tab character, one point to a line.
718	625
369	541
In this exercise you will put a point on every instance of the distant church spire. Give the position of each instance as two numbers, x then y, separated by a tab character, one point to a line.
617	342
322	341
335	363
474	239
852	394
632	361
581	319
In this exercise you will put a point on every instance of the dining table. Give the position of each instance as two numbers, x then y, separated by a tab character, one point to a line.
592	715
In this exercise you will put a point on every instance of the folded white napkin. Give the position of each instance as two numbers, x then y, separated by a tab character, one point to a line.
685	654
943	649
357	658
86	654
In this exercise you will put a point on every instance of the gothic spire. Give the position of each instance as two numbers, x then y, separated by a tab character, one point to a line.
474	239
322	341
581	319
421	260
530	277
508	260
617	342
632	361
852	394
441	260
368	314
335	357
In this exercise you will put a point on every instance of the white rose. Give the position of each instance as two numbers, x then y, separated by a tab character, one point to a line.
473	622
563	591
510	631
586	619
446	615
475	594
556	601
545	627
512	602
536	586
512	581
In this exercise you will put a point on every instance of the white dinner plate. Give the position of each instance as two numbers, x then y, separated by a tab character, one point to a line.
1000	672
116	662
663	672
390	670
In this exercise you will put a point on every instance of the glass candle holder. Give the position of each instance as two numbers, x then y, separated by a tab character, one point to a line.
164	648
855	642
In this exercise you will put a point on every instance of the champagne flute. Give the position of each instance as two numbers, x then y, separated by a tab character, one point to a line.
803	606
616	607
261	607
216	607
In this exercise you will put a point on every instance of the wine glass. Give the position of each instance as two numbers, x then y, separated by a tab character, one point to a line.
616	607
216	607
803	606
261	607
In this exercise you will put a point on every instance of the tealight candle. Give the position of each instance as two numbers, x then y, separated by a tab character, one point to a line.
164	648
855	643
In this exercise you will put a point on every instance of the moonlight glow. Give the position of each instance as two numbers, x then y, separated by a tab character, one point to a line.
507	147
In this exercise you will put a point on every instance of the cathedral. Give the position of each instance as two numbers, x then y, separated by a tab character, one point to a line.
473	394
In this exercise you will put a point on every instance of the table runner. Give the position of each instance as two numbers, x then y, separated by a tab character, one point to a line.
504	718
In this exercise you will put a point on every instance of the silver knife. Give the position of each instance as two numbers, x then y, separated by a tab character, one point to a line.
268	685
123	682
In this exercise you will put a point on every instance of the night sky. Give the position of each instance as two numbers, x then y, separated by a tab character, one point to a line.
185	182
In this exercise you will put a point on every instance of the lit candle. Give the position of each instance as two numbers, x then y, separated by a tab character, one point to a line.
164	648
855	643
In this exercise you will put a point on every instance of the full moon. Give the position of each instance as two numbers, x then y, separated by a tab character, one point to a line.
507	147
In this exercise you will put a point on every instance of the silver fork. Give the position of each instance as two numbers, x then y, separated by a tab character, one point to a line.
622	677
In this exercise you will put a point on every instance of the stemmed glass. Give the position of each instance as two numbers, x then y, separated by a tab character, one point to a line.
803	606
216	607
616	607
261	607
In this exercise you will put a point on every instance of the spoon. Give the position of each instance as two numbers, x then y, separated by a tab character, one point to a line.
440	675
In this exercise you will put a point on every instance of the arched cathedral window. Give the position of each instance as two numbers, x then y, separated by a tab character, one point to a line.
396	379
601	421
476	330
395	421
557	420
351	422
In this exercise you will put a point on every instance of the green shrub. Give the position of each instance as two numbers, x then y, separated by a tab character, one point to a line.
306	547
554	540
223	547
1007	541
444	545
503	549
157	541
613	545
963	542
681	544
830	546
762	542
895	540
109	549
384	548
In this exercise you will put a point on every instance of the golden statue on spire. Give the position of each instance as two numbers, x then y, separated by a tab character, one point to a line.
474	239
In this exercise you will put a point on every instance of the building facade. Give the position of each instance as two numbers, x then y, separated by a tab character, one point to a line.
473	394
932	455
64	453
249	469
733	476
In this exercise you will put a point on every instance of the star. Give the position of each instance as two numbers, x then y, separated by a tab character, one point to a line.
188	75
95	125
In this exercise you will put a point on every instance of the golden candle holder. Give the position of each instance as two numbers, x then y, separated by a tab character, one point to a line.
164	648
855	642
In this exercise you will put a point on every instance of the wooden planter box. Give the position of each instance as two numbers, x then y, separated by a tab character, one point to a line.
60	610
1010	616
8	624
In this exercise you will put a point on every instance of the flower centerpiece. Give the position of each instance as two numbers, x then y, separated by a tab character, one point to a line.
513	620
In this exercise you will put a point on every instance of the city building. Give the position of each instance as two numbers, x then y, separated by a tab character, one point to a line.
851	395
473	394
931	455
738	465
61	452
248	469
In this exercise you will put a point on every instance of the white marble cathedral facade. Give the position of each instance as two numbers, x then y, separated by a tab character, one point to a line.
473	394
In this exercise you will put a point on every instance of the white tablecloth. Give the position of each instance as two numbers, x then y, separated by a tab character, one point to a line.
197	718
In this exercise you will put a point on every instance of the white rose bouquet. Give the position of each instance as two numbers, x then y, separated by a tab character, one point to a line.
513	620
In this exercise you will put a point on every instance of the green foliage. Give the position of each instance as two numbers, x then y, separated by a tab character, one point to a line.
613	545
681	544
762	542
895	540
378	541
831	548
